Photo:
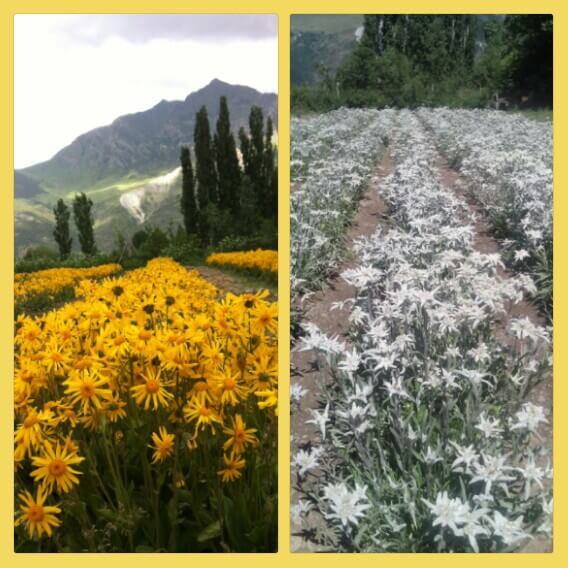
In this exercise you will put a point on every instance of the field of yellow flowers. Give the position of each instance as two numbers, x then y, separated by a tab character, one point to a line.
146	418
35	290
256	260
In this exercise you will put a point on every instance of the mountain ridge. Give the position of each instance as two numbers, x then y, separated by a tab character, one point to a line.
122	156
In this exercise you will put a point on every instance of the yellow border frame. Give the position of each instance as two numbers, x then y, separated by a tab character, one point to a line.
283	9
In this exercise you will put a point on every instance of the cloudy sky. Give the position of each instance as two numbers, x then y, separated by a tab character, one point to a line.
73	73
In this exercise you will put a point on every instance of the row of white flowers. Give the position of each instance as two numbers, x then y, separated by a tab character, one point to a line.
331	162
427	438
506	161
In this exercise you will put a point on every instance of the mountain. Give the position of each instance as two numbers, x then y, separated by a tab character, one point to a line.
127	168
321	41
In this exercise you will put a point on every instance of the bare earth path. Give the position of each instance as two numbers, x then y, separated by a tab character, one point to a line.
234	282
333	323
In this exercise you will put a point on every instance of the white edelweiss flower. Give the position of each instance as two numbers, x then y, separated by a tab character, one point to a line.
524	328
480	354
307	460
466	456
299	510
521	254
491	470
320	419
546	525
448	512
474	376
361	394
431	456
350	362
297	392
529	418
346	506
532	474
490	428
473	528
510	531
395	387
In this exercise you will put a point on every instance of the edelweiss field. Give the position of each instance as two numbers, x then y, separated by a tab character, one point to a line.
421	267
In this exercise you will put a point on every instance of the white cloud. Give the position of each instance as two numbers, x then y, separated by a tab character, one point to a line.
64	87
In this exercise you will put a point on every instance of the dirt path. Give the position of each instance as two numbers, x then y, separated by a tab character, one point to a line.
232	282
304	369
541	395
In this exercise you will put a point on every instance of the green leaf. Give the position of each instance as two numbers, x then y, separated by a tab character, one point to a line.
212	531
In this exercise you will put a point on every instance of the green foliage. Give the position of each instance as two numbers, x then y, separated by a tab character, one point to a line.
228	168
83	217
61	231
418	60
43	258
185	249
206	174
41	252
153	245
138	238
188	203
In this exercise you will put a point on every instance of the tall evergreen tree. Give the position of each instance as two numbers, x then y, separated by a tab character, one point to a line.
61	232
244	142
206	174
188	203
270	200
83	217
256	152
228	169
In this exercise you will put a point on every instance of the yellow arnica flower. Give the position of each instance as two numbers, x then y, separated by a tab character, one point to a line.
230	388
38	517
30	434
54	468
204	415
88	390
270	399
239	435
265	318
151	391
163	445
232	469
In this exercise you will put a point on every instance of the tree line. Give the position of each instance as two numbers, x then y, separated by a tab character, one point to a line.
454	60
223	195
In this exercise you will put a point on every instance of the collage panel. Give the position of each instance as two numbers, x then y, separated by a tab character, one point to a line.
421	209
145	289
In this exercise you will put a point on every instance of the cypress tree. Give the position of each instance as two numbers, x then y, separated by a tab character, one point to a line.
61	231
256	153
269	172
228	169
204	169
245	151
188	204
83	217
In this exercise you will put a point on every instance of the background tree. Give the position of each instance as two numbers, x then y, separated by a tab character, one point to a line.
83	217
255	166
228	169
188	203
61	232
530	48
206	174
269	173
